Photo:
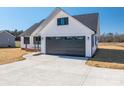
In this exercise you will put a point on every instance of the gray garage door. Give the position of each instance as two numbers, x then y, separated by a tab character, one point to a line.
66	45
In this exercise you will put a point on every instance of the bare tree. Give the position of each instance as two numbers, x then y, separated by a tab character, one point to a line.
112	37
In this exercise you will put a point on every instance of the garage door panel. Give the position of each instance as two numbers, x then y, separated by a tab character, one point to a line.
65	47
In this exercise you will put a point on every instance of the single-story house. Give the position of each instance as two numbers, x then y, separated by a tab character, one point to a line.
61	33
7	39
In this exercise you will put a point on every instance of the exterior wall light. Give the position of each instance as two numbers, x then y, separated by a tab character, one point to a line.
88	37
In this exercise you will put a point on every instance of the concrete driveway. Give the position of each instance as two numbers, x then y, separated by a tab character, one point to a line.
57	70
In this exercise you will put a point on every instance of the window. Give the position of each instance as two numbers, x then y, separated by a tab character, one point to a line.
62	21
92	40
26	40
37	40
95	40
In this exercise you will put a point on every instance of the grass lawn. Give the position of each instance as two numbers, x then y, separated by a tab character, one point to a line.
9	55
109	55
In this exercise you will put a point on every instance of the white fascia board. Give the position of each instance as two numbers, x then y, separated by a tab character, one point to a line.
52	15
47	20
90	31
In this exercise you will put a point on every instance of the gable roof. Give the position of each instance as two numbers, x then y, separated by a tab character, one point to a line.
31	29
89	20
1	32
47	20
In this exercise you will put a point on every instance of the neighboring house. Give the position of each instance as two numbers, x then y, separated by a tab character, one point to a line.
61	33
7	39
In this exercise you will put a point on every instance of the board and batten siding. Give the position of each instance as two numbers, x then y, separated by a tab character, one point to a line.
74	28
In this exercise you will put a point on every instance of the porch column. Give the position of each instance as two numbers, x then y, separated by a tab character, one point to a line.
43	45
31	43
22	42
88	46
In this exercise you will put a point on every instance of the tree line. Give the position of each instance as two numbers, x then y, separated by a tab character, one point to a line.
111	37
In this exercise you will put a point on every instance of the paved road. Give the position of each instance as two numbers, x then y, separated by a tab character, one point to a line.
57	70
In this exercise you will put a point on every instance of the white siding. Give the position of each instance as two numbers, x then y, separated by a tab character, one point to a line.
75	28
97	35
94	47
29	46
95	44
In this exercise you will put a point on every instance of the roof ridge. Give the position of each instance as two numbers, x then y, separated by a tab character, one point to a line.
85	14
89	19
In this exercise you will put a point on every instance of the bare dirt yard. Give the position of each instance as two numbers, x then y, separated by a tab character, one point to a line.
108	55
9	55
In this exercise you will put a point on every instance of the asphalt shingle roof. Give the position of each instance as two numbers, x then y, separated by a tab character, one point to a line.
90	20
31	29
